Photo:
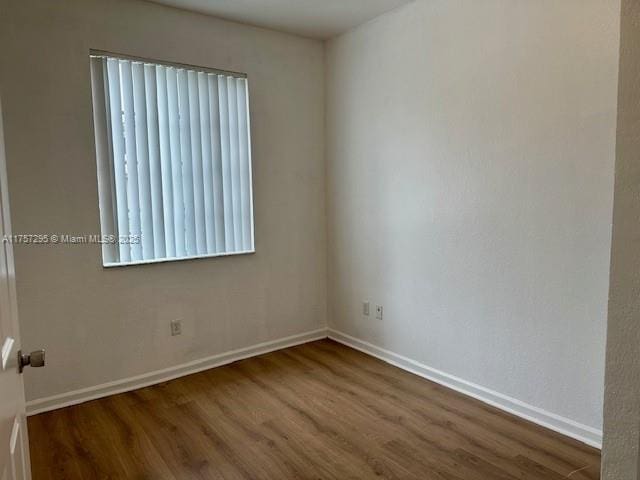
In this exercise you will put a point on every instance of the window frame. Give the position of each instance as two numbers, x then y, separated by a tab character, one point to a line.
101	129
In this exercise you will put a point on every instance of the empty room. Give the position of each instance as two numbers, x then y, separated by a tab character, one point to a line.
320	239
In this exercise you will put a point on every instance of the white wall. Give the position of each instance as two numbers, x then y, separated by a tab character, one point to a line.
470	178
621	450
100	325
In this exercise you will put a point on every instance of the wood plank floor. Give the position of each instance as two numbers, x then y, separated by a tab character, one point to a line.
317	411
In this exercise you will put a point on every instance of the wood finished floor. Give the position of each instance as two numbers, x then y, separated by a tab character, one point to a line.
316	411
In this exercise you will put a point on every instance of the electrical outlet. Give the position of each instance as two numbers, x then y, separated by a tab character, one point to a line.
176	327
365	309
379	312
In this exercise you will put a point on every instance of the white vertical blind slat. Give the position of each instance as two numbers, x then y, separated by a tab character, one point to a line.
225	138
174	160
165	161
216	153
142	160
117	136
155	171
244	167
187	166
207	162
234	153
131	159
196	163
104	149
249	220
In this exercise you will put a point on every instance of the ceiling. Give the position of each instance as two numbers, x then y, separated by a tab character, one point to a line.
310	18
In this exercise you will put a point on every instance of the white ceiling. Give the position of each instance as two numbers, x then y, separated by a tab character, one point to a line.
310	18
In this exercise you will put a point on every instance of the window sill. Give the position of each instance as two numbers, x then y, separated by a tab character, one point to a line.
177	259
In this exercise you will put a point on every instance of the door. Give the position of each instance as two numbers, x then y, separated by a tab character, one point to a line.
14	445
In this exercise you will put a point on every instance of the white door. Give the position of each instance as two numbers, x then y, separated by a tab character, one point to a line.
14	445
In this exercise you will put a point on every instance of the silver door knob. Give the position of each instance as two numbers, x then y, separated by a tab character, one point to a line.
34	359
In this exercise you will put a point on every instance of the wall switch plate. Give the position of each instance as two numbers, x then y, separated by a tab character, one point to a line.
365	309
379	312
176	327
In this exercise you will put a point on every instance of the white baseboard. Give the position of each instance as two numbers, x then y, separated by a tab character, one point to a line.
565	426
132	383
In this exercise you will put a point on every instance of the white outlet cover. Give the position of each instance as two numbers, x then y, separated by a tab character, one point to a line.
379	312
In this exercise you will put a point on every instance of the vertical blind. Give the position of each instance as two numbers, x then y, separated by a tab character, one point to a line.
174	160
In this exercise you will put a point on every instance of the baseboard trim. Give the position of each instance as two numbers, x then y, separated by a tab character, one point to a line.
132	383
557	423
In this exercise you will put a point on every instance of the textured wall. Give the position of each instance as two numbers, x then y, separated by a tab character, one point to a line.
470	183
100	325
622	386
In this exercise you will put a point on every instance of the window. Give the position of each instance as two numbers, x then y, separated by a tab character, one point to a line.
174	160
